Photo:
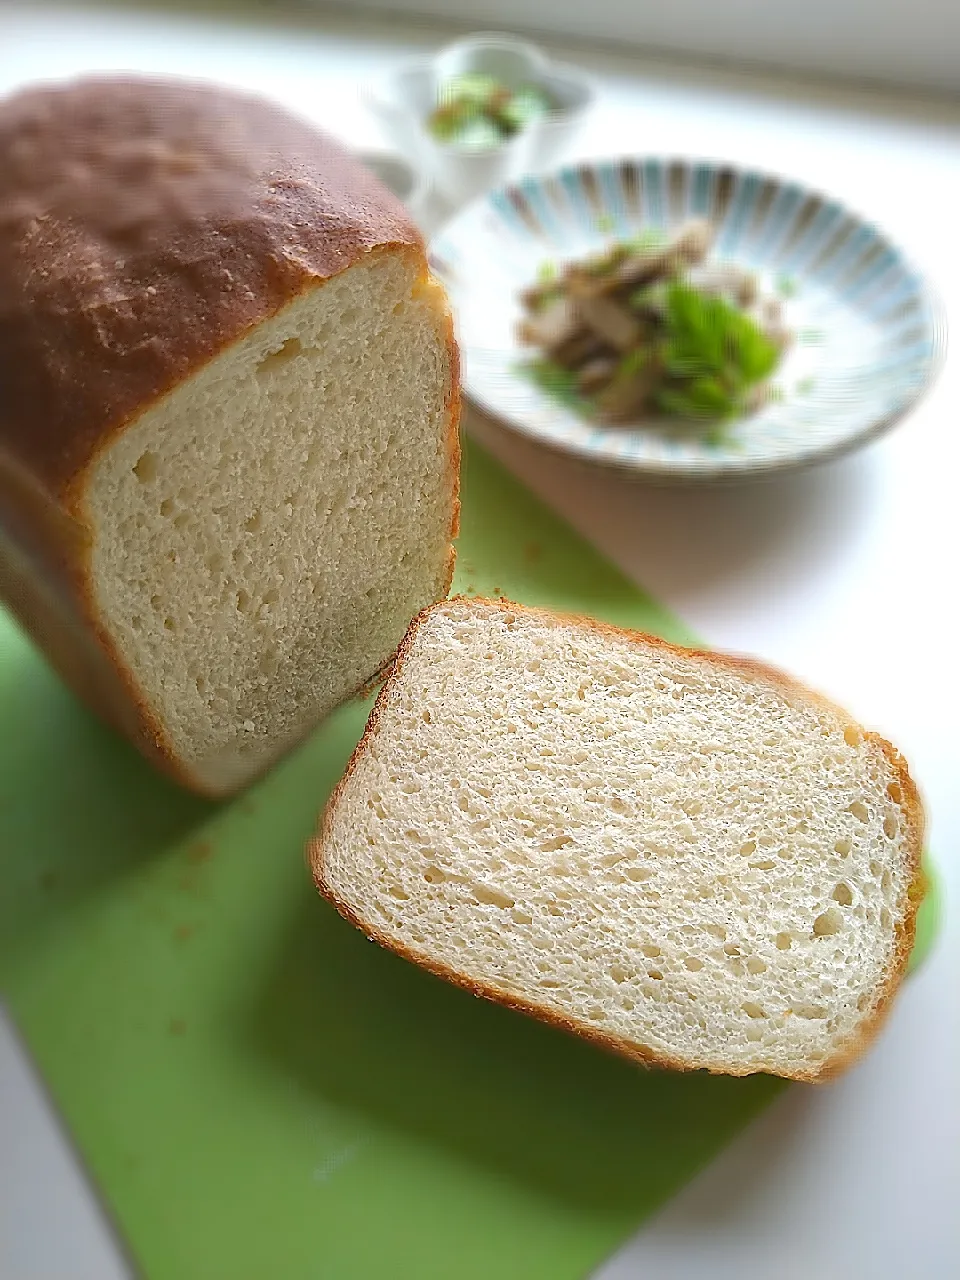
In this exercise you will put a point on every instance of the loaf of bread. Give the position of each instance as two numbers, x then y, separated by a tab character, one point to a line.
228	415
685	857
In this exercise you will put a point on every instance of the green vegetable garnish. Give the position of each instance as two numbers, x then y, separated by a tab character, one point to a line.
470	87
523	107
718	347
633	362
644	241
711	353
477	112
634	333
649	295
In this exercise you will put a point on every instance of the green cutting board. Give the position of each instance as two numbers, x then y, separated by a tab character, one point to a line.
260	1092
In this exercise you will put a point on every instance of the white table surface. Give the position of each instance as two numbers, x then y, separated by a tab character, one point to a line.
822	573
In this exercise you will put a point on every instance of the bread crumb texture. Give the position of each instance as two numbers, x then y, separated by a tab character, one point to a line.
685	857
263	535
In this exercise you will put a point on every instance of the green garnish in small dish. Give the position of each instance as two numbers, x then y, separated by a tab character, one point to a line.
477	112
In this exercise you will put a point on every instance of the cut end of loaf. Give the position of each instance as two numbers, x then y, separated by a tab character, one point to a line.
688	858
263	535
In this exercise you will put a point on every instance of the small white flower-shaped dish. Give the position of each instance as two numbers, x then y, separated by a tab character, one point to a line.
403	103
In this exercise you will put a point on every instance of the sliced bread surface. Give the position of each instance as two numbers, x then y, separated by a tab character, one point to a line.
687	857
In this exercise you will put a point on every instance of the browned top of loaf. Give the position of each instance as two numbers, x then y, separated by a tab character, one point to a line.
144	226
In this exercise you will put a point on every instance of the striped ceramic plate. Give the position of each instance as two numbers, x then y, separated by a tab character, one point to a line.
869	336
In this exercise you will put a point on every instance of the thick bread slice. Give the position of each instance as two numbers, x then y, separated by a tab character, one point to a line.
228	415
686	857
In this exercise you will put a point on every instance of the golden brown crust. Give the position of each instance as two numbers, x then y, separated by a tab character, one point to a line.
146	225
909	804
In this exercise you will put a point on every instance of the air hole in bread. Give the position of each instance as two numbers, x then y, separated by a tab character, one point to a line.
492	897
895	792
638	874
756	965
852	736
843	894
693	963
843	847
655	974
812	1011
859	811
752	1009
554	843
145	468
891	828
828	923
166	507
255	523
283	355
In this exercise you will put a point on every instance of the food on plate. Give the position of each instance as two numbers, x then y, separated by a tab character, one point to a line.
686	857
228	415
649	326
476	111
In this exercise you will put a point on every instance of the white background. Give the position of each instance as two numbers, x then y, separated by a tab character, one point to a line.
912	42
846	575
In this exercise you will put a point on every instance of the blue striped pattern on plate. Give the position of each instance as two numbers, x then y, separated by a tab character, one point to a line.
869	335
